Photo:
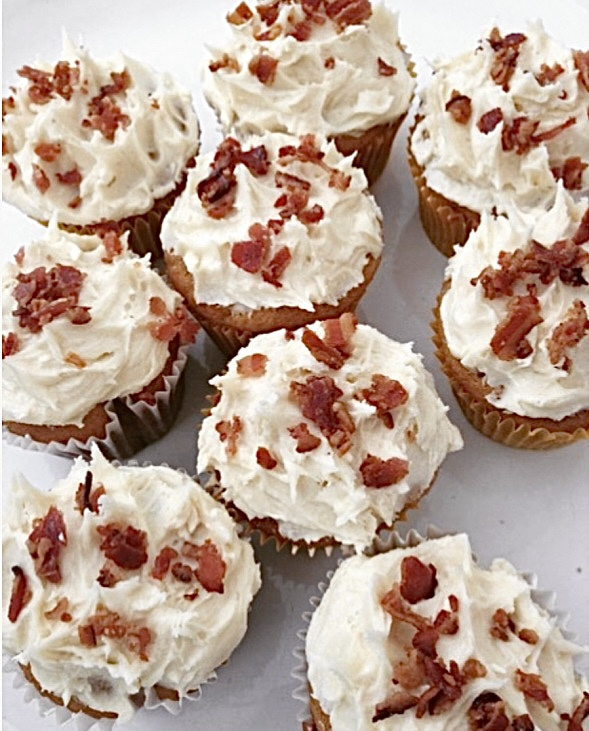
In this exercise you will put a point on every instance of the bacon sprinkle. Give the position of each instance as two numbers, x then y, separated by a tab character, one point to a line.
581	59
489	120
523	314
385	394
169	325
240	15
228	431
86	498
459	106
104	114
10	344
126	546
418	581
580	713
20	595
109	624
384	69
532	686
43	84
252	365
44	544
549	74
263	67
47	151
306	442
379	473
570	172
568	334
211	568
506	54
162	562
348	12
265	459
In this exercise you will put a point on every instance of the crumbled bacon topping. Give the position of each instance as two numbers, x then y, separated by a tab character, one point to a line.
549	74
295	199
385	69
331	356
240	15
502	625
47	151
567	334
40	179
523	314
348	12
210	566
249	255
42	295
385	394
125	545
109	574
162	562
228	431
397	703
306	442
263	67
487	713
104	114
87	498
109	624
20	595
418	581
521	134
308	151
339	331
225	62
170	325
44	544
272	272
581	59
318	399
113	246
181	572
580	713
43	84
252	365
506	51
265	459
13	170
59	611
532	686
378	472
10	344
581	235
459	106
489	120
570	172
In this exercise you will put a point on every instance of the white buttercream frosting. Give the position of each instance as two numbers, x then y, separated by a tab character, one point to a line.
120	177
470	167
353	644
531	386
347	96
57	375
321	493
327	257
189	637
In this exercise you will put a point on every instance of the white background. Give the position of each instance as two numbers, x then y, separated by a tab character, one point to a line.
532	508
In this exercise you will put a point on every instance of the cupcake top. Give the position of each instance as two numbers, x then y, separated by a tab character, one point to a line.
517	309
143	581
424	638
84	320
500	125
267	224
331	430
94	139
296	66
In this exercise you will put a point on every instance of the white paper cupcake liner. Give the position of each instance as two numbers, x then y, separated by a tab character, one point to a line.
388	540
131	426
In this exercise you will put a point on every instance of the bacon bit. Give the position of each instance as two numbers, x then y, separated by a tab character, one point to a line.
311	215
339	332
329	63
385	394
47	151
276	266
263	67
473	668
550	134
318	398
571	173
10	344
162	562
255	160
192	595
65	77
20	595
549	74
86	498
460	107
109	575
487	713
384	69
265	459
580	713
522	723
306	442
75	360
225	62
379	473
348	12
75	202
252	365
127	546
210	569
71	177
302	30
581	235
397	703
268	12
108	624
182	572
489	120
59	611
446	622
179	324
506	55
529	636
43	84
248	255
502	625
523	314
567	334
240	15
217	192
581	59
228	431
113	246
521	135
45	543
393	603
13	170
418	581
330	355
8	105
425	640
106	117
40	179
532	686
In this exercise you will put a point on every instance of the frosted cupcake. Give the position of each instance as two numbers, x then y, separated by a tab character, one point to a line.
323	435
97	140
94	345
512	326
336	68
497	129
276	232
424	638
122	587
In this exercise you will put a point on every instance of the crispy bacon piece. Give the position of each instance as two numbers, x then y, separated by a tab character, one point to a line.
318	400
425	640
170	325
240	15
225	62
10	344
162	562
268	11
532	686
378	472
263	67
40	179
549	74
339	332
248	255
523	314
306	442
228	431
13	170
489	120
487	713
521	135
44	544
265	459
210	569
502	625
302	30
112	245
321	351
252	365
529	636
418	581
385	394
348	12
329	62
255	160
581	59
217	192
20	595
43	84
397	703
473	668
126	546
42	295
109	574
106	116
65	78
109	624
384	69
181	572
506	54
570	172
272	272
459	106
87	498
568	334
71	177
47	151
393	603
580	713
581	235
59	611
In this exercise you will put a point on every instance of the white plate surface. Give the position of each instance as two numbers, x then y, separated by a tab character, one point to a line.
532	508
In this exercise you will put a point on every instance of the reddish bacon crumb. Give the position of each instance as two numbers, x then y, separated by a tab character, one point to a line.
523	314
10	344
580	713
489	120
571	173
126	546
20	595
169	325
59	611
87	498
567	334
348	12
13	170
385	394
113	246
460	107
506	54
104	114
397	703
225	62
263	67
40	179
521	134
549	74
384	69
581	59
339	332
45	542
109	575
181	572
321	351
272	272
240	15
252	365
306	442
487	713
43	84
418	581
228	431
329	62
529	636
71	177
210	569
268	11
378	472
47	151
109	624
265	459
162	562
532	686
502	626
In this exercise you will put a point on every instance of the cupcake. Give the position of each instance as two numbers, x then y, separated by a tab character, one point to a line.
276	232
97	140
422	637
336	68
496	129
324	435
122	586
94	344
511	327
